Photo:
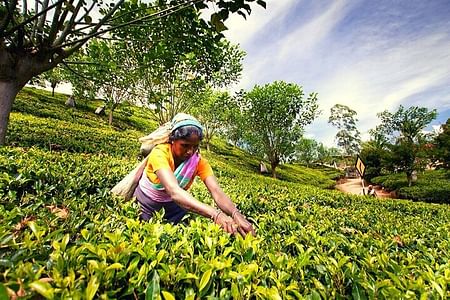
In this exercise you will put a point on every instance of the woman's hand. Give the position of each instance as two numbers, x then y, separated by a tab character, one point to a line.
226	223
244	226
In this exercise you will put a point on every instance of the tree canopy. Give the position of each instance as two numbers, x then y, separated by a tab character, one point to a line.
348	136
276	114
36	39
404	129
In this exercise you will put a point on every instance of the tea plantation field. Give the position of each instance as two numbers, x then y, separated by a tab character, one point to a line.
63	236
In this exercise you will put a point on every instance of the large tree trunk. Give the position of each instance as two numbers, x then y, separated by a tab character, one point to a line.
8	92
16	69
274	166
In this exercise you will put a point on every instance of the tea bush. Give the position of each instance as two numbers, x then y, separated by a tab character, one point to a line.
64	236
431	186
310	243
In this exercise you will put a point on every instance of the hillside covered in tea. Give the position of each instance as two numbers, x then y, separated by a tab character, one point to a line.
64	236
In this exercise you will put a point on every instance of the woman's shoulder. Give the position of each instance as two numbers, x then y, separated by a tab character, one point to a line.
161	149
164	146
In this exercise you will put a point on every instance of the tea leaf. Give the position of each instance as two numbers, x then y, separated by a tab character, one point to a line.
205	280
92	287
167	296
153	288
114	266
43	288
3	292
358	293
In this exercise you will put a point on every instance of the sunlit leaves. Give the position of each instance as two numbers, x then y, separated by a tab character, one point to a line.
276	115
311	243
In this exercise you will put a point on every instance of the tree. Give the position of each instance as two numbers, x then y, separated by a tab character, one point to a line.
276	114
405	129
172	64
348	136
212	112
235	124
442	145
306	151
375	158
36	40
54	76
104	74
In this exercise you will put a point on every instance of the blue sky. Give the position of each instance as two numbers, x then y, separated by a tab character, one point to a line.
369	55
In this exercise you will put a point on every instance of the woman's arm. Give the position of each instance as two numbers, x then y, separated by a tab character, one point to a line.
186	201
226	205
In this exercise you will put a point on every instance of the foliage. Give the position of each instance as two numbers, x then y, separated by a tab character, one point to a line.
442	145
310	242
172	64
306	151
212	112
40	103
36	39
106	74
348	136
327	155
375	158
431	186
62	235
276	114
234	131
404	128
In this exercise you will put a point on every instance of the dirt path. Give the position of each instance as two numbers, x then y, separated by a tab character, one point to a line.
354	186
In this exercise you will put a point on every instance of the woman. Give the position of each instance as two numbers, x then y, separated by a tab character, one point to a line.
170	170
371	191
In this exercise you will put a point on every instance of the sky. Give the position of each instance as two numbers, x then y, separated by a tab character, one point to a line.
369	55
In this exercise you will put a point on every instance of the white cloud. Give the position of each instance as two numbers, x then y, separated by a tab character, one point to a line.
302	42
370	57
241	30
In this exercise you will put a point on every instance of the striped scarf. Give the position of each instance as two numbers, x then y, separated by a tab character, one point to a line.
184	174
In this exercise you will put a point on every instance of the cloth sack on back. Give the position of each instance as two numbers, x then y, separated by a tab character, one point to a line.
128	184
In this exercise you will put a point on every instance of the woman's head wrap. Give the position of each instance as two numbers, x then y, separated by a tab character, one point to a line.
161	135
182	119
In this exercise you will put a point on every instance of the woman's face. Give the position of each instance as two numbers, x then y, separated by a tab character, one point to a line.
183	149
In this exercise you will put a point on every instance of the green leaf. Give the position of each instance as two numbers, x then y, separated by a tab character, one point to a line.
167	296
262	3
34	228
205	280
85	233
43	288
217	22
235	291
438	288
6	263
3	292
92	287
153	289
315	295
358	293
88	19
64	242
114	266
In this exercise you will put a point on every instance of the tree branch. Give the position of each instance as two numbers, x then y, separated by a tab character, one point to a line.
55	22
43	16
10	15
86	13
163	13
70	25
33	18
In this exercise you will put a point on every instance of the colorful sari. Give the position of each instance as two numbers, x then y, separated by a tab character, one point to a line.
184	175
